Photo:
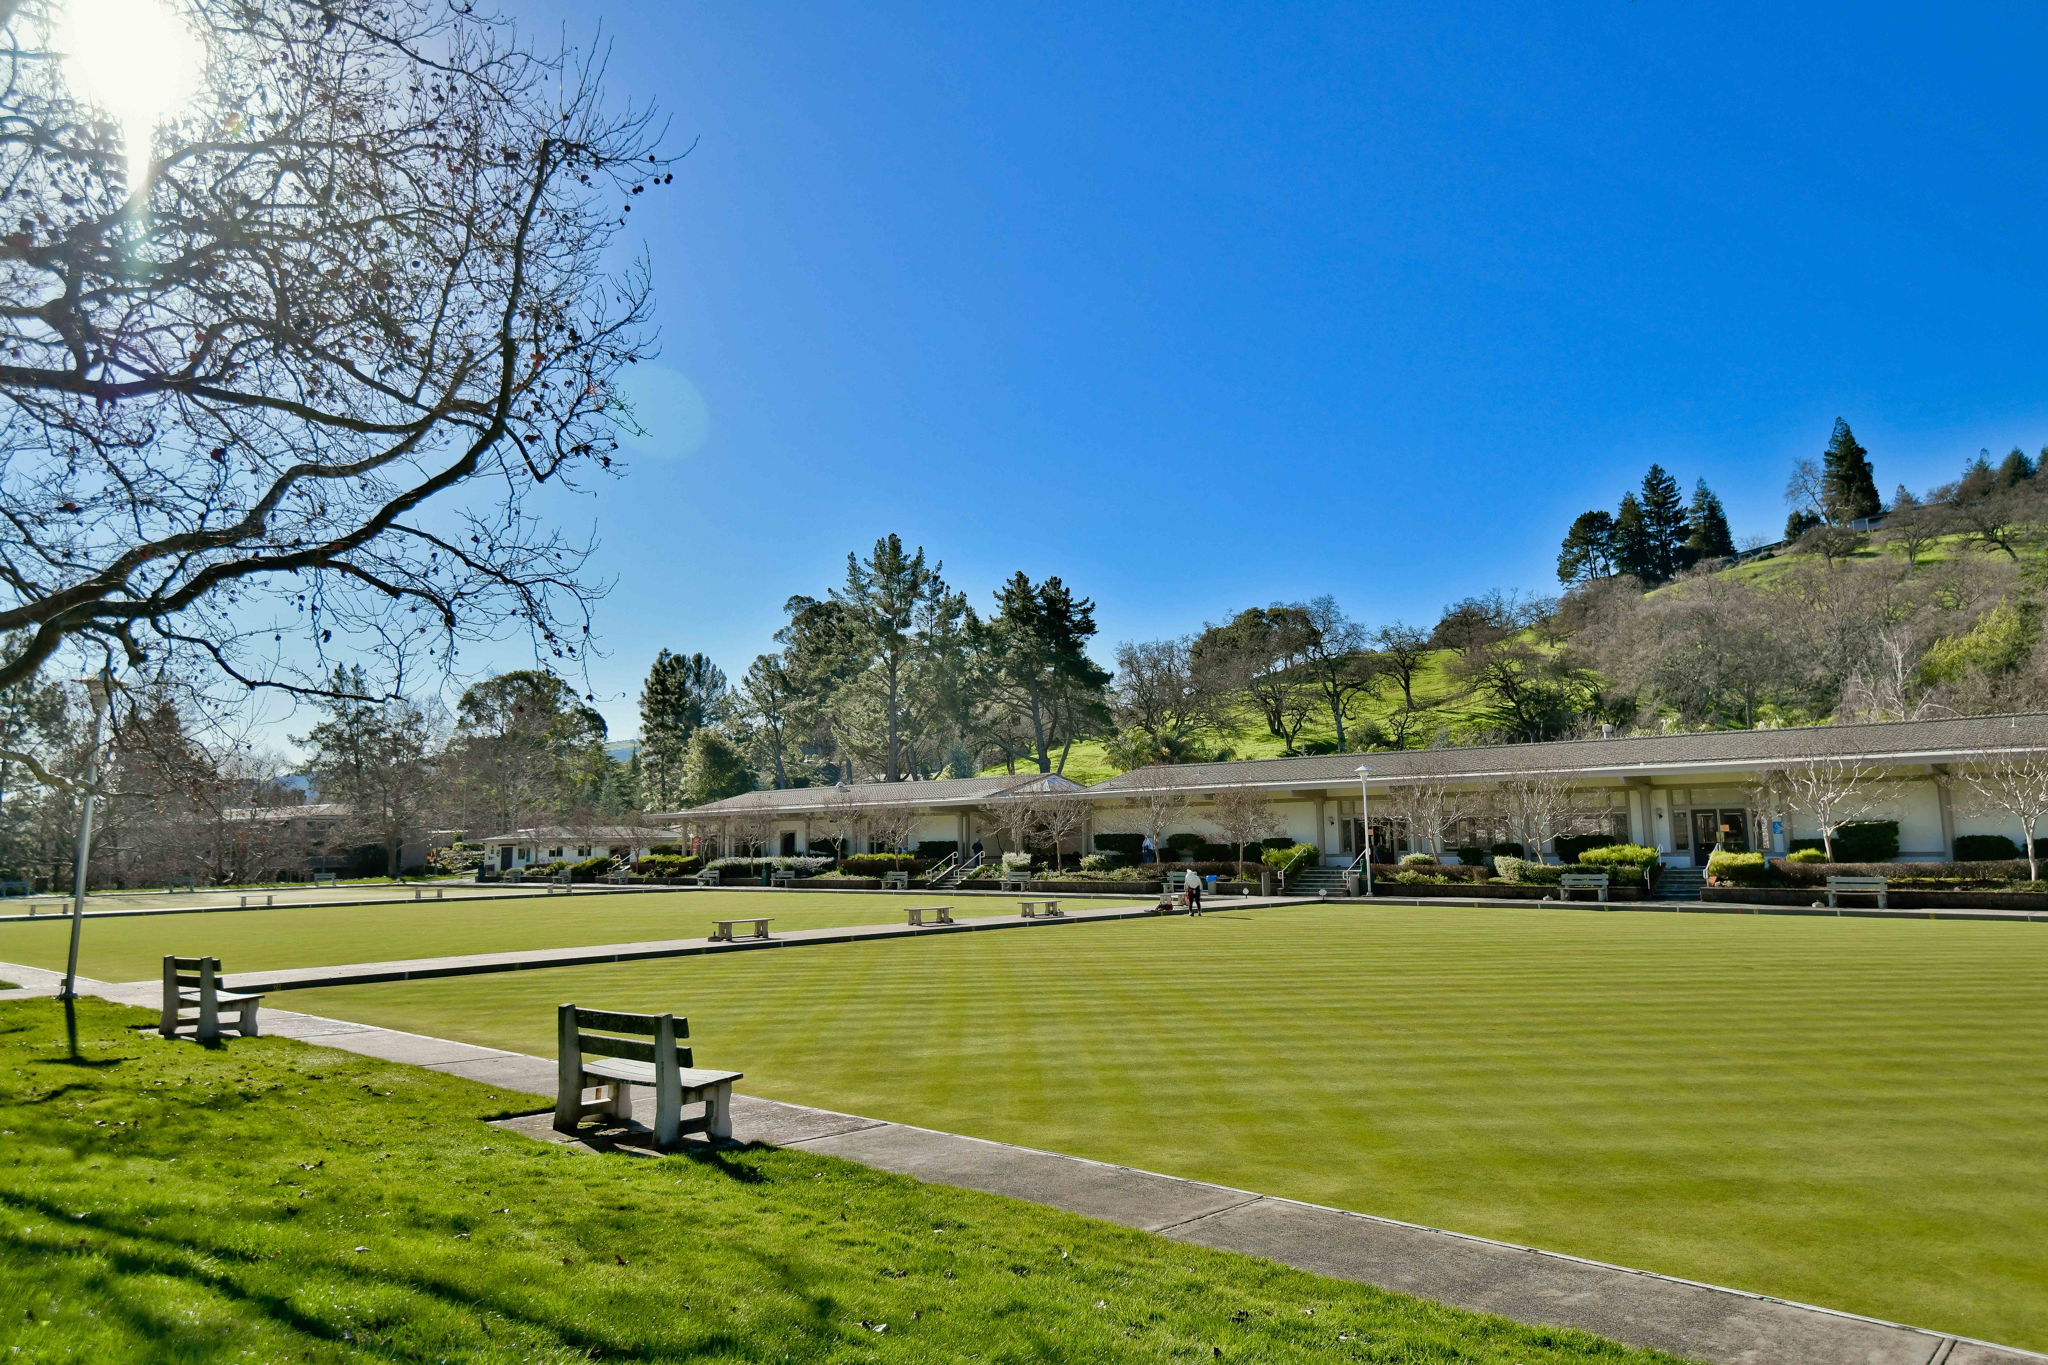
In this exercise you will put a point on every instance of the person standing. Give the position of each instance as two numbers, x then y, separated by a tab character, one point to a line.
1148	852
1193	882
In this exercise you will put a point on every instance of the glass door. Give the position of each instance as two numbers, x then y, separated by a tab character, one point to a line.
1727	829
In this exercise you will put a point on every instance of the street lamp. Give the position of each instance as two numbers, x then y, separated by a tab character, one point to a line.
97	689
1365	824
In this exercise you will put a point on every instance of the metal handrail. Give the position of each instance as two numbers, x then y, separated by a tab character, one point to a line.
942	867
1280	883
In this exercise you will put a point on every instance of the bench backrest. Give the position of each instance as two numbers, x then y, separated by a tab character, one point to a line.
1858	883
1583	879
200	974
663	1029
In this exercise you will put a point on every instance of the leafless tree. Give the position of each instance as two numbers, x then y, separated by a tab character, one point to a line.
754	827
892	825
1244	815
1157	812
1806	490
1011	817
1426	808
1538	810
2014	786
283	385
1400	654
1334	656
1833	792
1057	817
847	819
1159	690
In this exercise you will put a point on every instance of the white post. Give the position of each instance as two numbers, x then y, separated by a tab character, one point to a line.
1365	824
96	688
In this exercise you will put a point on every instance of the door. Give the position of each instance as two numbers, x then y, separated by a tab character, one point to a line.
1728	829
788	842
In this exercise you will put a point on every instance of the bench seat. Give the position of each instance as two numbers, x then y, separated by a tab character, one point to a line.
642	1073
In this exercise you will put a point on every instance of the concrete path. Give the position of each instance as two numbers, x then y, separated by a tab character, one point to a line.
472	964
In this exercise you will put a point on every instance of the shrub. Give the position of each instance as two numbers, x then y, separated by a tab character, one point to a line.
1182	842
1867	841
546	869
1017	862
588	869
936	849
1130	847
1739	869
1811	853
1417	860
665	849
1570	847
1512	850
1281	842
1522	871
875	864
668	865
1985	848
1434	872
1277	858
1100	862
1471	855
1408	876
804	866
1634	861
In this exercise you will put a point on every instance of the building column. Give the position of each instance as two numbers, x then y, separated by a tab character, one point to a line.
1322	828
1942	779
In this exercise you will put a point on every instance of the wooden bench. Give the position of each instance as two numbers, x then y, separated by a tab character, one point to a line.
1009	882
14	886
326	879
782	876
1040	910
722	929
915	914
1581	881
1857	886
192	988
895	881
661	1065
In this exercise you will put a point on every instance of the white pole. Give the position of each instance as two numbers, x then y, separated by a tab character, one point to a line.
96	688
1365	824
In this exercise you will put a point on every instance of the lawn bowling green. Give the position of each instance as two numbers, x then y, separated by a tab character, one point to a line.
133	948
1849	1112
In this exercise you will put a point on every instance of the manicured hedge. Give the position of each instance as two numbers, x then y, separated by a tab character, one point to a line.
1984	848
1131	846
875	864
1867	841
936	849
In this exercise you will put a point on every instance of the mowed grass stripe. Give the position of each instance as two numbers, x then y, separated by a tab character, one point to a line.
1852	1112
321	936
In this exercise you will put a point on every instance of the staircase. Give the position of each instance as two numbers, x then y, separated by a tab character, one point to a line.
1680	884
1316	881
954	875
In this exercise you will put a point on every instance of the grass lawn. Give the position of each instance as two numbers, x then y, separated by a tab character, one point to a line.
272	1201
259	940
1851	1112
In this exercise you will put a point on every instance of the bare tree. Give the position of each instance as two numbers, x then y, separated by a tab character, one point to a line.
1427	808
1539	810
1244	815
1011	816
1159	690
1833	792
1059	816
1401	653
1333	655
293	370
847	819
892	825
2015	786
1158	811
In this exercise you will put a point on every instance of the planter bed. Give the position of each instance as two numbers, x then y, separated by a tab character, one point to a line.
1898	898
1501	891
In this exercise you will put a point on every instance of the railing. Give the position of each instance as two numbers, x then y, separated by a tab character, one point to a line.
939	870
1287	871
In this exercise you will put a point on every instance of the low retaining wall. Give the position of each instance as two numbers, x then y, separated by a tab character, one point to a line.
1498	891
1897	898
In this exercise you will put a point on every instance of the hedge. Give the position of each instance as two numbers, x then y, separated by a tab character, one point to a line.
1984	848
1568	847
1622	861
1867	841
1131	846
875	864
936	849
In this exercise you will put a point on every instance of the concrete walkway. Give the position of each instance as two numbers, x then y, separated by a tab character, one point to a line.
472	964
1699	1321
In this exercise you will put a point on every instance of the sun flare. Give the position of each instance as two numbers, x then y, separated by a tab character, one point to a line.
137	60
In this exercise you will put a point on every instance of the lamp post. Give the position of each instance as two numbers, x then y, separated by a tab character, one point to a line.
1365	824
97	689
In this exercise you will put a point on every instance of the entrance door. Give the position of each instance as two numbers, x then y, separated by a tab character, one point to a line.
788	842
1727	828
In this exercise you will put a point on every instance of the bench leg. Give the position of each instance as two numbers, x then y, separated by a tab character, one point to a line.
568	1105
718	1113
245	1021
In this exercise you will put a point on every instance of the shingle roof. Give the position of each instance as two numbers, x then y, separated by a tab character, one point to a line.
588	834
1954	739
944	791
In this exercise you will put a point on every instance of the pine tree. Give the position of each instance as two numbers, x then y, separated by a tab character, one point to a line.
1588	549
714	769
1848	484
683	693
1663	523
2015	468
1633	551
1799	522
1708	536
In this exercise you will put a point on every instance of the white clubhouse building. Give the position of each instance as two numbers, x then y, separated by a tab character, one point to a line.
1679	793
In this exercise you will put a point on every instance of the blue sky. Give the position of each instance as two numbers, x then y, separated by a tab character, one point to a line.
1207	306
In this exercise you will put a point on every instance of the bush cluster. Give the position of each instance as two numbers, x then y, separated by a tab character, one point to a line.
1428	872
1280	855
1867	841
1524	872
1622	862
875	864
1985	848
663	865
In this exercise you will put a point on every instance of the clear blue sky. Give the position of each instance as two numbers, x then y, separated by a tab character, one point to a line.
1202	306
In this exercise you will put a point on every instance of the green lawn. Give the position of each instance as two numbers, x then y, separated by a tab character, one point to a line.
260	940
272	1201
1852	1112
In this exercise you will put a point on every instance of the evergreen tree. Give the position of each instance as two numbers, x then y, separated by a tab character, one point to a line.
1708	536
713	769
1588	549
2015	468
1848	484
1799	522
1036	648
683	693
1664	529
906	626
1633	551
372	756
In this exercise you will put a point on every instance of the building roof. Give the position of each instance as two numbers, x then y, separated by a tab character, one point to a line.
1951	739
311	810
943	791
588	834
